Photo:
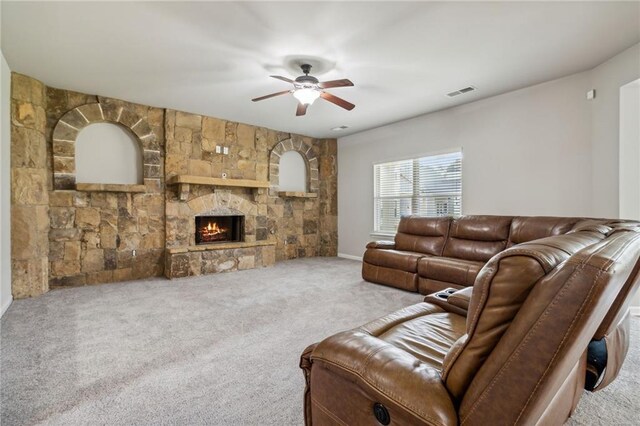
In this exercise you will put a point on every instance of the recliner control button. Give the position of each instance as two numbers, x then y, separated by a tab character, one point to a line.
381	413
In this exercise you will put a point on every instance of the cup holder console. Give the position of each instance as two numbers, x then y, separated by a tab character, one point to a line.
441	298
444	294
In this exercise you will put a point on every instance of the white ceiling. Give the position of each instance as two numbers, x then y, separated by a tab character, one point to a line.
212	58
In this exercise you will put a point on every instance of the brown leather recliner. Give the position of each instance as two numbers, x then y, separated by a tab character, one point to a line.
515	353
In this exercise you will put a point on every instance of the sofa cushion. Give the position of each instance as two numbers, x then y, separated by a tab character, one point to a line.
551	331
429	286
457	271
501	288
422	234
524	229
477	238
428	337
397	259
389	276
363	367
416	321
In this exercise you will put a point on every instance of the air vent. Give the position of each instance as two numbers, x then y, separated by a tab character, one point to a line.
461	91
339	128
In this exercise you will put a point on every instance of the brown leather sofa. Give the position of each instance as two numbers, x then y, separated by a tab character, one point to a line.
512	349
430	254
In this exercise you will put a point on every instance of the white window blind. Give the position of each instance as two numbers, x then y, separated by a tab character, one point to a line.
426	186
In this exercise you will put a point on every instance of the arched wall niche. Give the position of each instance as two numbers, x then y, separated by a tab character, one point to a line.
108	153
73	122
293	172
311	161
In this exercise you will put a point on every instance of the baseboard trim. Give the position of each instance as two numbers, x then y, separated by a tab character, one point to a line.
635	311
6	305
350	257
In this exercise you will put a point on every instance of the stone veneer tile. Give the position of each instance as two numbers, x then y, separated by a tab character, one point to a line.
91	112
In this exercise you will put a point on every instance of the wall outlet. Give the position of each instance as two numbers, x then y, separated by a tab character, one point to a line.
225	150
218	149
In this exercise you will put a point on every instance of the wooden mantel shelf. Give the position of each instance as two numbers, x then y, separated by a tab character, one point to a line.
211	181
185	180
295	194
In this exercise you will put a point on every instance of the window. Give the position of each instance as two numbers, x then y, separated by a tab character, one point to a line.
426	186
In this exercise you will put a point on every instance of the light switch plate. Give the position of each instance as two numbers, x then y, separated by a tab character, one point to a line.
226	150
218	149
591	94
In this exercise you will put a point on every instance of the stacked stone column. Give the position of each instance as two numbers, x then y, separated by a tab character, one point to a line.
29	188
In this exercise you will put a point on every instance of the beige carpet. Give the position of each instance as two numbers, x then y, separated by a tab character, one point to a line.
221	349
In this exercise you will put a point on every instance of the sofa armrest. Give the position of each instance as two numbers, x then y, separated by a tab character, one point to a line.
385	245
358	370
452	300
461	298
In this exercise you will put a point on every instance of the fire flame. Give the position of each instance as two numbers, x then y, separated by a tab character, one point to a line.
213	228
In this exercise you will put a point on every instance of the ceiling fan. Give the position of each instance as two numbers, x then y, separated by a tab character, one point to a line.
306	89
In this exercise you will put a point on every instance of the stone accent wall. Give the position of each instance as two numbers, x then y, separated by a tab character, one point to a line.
65	237
328	198
292	224
94	234
29	195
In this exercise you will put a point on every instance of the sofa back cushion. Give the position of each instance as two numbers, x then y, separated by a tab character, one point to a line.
477	238
549	334
422	234
499	292
524	229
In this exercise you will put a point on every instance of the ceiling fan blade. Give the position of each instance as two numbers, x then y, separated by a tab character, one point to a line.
279	77
302	109
335	83
336	100
270	96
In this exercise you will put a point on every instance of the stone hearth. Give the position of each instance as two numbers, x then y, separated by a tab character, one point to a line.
223	257
198	259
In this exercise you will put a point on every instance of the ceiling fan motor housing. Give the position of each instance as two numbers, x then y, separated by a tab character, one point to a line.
306	80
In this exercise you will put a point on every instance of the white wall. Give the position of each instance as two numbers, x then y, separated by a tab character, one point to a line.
292	172
108	153
605	125
5	186
629	157
522	154
541	150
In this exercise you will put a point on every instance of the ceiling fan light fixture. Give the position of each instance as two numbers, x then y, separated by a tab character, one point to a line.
306	95
307	88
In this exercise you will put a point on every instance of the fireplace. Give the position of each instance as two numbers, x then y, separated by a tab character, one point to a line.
219	229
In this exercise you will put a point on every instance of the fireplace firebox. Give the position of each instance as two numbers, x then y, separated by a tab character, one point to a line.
219	229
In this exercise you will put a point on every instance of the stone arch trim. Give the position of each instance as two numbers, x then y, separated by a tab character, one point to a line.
210	202
69	126
303	148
